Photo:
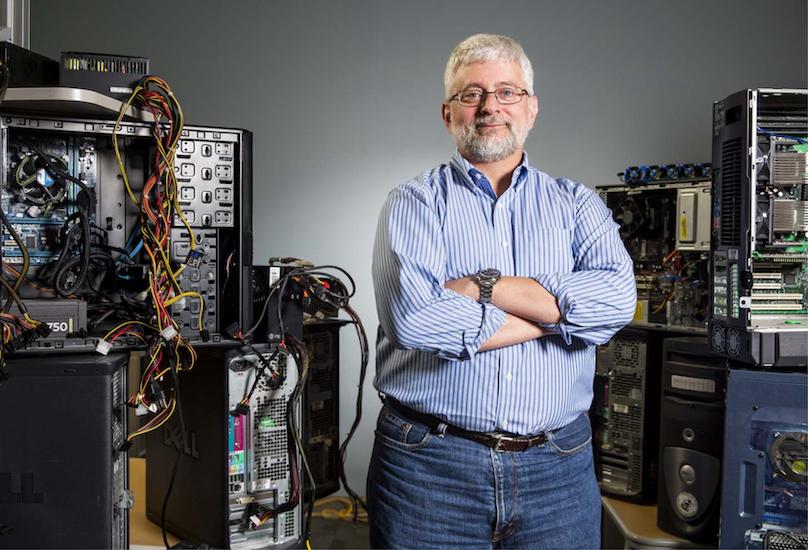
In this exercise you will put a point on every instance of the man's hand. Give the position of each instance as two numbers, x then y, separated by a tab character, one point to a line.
466	286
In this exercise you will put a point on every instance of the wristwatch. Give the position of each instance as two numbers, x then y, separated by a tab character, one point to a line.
486	278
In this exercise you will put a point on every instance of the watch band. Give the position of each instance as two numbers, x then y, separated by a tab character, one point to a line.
486	290
486	279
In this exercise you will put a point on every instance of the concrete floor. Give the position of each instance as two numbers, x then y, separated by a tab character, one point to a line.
336	533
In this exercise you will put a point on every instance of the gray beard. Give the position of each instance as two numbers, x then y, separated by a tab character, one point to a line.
487	148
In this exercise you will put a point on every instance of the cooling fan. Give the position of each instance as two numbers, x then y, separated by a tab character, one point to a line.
630	217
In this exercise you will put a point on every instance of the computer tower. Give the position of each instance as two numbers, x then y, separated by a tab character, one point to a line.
625	414
321	405
691	434
214	184
63	473
665	227
764	489
229	464
758	313
268	307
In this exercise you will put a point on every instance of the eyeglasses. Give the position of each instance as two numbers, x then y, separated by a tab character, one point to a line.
472	97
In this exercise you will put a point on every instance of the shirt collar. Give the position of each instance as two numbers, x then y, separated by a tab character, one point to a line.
474	178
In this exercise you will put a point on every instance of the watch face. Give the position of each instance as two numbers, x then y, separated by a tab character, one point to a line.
488	275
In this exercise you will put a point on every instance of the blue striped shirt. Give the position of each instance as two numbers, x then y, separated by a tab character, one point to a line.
448	223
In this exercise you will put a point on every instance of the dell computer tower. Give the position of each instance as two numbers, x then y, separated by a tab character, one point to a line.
63	464
233	461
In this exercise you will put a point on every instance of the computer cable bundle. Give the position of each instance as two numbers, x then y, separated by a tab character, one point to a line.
168	352
314	281
257	515
158	206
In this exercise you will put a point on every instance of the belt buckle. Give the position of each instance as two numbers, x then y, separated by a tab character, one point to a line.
499	437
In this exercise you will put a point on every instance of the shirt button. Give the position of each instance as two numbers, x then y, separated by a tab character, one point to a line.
504	243
504	423
508	377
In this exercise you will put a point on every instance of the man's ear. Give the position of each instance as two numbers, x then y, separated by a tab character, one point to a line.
446	115
533	109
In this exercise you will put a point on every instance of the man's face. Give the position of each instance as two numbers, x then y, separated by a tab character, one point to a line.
490	132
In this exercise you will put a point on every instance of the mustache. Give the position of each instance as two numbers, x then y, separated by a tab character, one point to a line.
492	120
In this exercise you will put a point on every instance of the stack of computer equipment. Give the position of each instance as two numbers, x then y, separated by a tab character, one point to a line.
665	224
122	230
758	315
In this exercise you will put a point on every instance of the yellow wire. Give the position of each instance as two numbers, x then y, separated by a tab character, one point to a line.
346	513
169	158
151	362
166	261
32	321
146	429
190	294
124	108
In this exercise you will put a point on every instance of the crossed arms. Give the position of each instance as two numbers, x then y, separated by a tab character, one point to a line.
524	300
421	308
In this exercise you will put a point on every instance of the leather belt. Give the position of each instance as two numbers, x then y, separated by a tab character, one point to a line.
494	440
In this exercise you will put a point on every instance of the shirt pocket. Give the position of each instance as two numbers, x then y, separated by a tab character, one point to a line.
548	249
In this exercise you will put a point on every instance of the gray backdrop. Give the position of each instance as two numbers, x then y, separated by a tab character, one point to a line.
344	99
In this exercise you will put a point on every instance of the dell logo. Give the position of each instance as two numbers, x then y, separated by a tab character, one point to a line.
172	437
26	495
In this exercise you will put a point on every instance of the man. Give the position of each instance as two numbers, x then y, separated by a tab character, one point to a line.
494	283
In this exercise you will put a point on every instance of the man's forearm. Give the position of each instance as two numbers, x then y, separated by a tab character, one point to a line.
525	298
514	331
520	296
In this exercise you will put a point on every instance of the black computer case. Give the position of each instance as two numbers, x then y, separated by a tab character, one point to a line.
321	404
63	473
625	414
691	432
758	313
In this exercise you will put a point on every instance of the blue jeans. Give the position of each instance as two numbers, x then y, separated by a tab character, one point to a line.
430	490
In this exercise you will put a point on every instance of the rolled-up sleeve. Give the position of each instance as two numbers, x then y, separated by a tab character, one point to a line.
409	270
599	296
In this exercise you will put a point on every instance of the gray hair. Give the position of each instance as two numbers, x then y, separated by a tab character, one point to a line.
487	47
